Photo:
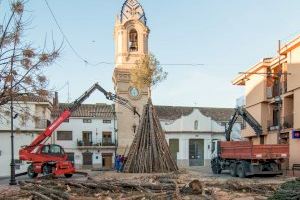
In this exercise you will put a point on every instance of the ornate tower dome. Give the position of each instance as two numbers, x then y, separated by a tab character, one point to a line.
132	9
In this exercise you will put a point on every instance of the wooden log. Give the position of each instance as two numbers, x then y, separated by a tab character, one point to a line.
49	191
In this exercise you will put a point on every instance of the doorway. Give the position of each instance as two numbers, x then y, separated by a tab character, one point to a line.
107	161
87	159
174	147
196	152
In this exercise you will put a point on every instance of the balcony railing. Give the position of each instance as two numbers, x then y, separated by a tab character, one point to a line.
286	123
105	144
274	91
81	143
273	125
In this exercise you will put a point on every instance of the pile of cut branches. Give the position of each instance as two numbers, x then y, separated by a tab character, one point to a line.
149	152
63	189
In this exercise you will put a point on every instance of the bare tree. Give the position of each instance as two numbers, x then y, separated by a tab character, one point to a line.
147	73
21	65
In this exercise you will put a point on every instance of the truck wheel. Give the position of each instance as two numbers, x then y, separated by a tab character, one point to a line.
68	175
216	166
47	170
30	172
240	170
233	170
274	166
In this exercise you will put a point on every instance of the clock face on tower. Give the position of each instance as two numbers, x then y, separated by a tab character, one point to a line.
134	92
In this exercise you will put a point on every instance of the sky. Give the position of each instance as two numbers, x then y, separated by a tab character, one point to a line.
226	36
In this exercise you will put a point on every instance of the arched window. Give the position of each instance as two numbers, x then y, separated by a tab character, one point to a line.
196	123
133	40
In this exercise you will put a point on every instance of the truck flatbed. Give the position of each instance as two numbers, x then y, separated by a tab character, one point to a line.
245	150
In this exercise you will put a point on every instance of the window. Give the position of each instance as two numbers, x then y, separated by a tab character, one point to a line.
133	40
106	138
87	138
64	135
106	121
275	117
196	123
55	149
45	149
262	139
87	120
67	120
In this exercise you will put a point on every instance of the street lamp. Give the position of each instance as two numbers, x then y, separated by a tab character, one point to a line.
12	163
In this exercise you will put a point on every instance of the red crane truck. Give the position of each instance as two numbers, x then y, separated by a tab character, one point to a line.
51	158
244	159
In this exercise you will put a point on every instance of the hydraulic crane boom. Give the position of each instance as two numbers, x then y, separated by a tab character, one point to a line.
67	113
241	111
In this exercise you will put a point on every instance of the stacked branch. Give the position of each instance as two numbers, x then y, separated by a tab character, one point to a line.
59	189
149	152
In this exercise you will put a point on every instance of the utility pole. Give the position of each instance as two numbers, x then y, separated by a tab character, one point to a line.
278	99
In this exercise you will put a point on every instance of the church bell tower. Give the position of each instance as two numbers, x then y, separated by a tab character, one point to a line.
131	44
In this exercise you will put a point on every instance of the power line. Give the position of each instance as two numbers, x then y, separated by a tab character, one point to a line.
64	35
106	62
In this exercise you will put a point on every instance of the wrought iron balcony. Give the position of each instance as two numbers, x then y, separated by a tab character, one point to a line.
273	125
95	144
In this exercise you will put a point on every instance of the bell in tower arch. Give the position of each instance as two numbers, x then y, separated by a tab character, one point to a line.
133	40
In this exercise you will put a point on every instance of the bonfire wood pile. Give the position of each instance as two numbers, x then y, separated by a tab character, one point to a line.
149	152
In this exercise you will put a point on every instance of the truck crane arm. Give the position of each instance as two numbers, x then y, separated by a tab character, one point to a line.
67	113
117	99
241	111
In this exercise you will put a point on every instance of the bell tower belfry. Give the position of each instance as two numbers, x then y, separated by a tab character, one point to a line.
131	44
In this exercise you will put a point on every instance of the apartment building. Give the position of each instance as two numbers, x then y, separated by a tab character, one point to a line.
272	93
32	114
190	131
88	136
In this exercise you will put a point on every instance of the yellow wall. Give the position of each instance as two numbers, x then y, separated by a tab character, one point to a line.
259	112
256	89
293	56
293	78
272	138
297	109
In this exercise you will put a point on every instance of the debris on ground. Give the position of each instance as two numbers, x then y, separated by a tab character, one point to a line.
167	186
149	152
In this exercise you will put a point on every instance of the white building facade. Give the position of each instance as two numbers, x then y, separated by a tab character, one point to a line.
32	115
190	132
89	136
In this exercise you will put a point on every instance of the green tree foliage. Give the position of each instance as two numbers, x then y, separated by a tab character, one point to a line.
147	72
